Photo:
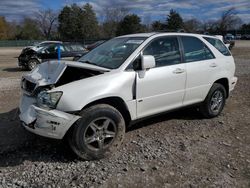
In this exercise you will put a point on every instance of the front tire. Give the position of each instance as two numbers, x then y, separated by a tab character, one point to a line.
32	64
214	102
99	133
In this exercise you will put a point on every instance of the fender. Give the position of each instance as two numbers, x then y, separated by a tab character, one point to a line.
112	84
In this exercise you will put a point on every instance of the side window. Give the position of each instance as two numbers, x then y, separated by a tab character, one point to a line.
53	48
67	48
76	47
218	44
195	49
165	50
61	48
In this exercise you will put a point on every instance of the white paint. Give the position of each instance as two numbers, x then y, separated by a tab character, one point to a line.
157	89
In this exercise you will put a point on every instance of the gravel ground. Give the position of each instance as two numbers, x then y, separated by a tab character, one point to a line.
178	149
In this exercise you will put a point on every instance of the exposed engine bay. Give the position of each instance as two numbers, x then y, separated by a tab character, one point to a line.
53	74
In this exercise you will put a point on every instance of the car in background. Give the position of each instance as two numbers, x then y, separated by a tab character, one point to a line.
238	36
229	36
229	40
30	58
229	43
94	45
245	37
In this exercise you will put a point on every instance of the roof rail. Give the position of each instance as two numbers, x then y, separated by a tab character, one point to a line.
170	30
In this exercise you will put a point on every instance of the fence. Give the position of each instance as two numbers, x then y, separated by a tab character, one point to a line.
22	43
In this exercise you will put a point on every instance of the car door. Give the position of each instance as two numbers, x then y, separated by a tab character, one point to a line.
161	88
50	52
200	67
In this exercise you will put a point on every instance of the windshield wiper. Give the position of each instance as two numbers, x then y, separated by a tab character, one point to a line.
91	63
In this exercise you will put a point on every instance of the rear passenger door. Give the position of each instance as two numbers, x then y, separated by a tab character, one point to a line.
200	66
161	88
67	55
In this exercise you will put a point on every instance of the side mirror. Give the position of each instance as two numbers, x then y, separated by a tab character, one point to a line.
147	62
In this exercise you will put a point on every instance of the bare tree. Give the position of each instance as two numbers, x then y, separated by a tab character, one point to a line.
210	26
229	20
192	25
46	20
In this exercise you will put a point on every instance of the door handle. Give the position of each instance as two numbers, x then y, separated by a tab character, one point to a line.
213	65
178	71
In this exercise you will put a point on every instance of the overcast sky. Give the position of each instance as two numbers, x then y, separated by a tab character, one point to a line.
153	9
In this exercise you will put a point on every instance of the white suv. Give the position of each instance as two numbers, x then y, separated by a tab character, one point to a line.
91	102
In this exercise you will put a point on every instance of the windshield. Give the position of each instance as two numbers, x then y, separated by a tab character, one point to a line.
113	53
42	44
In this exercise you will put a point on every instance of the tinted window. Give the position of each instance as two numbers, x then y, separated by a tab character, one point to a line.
218	44
54	47
77	47
165	50
195	49
67	48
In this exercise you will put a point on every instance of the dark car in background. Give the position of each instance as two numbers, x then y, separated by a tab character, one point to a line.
231	43
29	57
37	46
230	40
245	37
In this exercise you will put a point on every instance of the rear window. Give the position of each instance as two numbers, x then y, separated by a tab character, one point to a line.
195	49
218	44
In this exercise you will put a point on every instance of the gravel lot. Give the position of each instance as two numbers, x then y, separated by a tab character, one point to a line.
178	149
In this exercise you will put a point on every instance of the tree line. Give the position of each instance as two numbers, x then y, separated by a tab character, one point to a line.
76	22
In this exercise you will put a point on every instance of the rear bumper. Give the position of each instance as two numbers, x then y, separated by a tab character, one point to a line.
44	122
232	83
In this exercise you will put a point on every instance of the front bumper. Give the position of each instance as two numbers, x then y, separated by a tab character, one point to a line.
44	122
22	61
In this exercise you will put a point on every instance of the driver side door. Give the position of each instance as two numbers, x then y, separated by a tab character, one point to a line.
161	88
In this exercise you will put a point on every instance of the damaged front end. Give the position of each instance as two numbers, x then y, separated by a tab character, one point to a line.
38	112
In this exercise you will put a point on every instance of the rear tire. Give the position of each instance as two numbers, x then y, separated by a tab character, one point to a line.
214	102
98	134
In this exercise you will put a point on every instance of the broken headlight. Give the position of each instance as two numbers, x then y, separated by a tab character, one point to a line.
48	99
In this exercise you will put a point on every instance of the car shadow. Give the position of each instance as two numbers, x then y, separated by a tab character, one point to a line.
14	69
18	145
189	113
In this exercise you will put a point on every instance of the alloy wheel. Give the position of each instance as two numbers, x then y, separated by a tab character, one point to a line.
216	101
100	133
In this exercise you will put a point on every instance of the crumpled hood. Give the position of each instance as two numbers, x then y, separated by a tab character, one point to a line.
49	72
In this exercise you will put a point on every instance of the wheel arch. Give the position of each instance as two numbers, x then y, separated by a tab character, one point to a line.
115	102
225	83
